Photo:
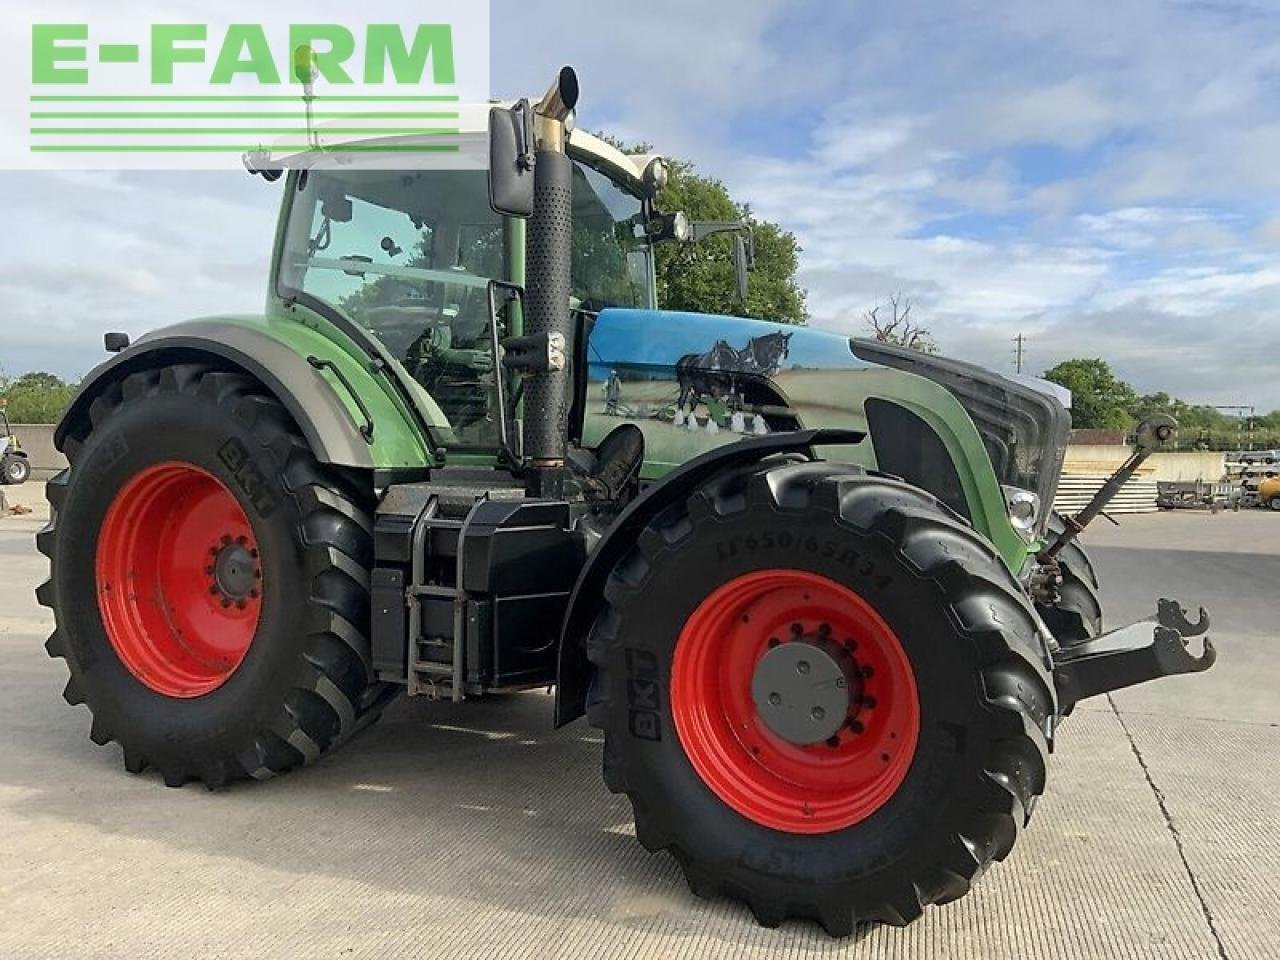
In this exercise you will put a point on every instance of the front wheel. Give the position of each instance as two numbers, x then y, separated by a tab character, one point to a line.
15	469
823	693
209	580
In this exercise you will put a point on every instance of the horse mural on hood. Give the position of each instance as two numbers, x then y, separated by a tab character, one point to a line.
716	372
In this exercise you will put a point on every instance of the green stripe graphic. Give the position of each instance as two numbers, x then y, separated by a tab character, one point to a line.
227	148
230	98
187	115
169	131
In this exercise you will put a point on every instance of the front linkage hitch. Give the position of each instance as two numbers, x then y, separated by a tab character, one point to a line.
1136	653
1132	655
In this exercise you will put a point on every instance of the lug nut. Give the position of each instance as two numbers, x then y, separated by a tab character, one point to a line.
775	699
817	713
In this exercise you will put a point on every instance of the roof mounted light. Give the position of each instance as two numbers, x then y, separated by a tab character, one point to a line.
655	174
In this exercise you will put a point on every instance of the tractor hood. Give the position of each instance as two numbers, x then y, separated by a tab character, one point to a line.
692	382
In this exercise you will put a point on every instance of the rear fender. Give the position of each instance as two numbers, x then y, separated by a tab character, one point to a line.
572	669
330	410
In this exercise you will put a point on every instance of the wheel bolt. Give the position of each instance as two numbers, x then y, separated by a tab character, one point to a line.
855	726
824	629
833	741
868	702
817	713
226	602
802	666
773	642
797	629
775	699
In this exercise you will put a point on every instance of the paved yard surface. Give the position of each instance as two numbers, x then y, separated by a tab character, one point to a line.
478	832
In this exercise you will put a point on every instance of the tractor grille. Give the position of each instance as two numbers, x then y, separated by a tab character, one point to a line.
1024	431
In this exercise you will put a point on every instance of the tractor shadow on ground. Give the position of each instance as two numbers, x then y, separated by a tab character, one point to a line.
481	801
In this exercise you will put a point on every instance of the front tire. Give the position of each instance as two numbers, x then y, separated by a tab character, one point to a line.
936	765
14	469
209	581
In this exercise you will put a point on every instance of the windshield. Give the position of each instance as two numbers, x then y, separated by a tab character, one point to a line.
408	255
611	267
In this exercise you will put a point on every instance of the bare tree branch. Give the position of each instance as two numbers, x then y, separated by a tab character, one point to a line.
899	328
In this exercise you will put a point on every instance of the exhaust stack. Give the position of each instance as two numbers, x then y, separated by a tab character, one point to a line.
547	394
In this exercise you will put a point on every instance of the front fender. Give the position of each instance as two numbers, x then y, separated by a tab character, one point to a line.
572	670
325	409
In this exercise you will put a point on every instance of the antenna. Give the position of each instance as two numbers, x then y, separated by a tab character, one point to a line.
304	71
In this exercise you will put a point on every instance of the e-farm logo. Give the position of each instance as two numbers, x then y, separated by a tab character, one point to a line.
200	94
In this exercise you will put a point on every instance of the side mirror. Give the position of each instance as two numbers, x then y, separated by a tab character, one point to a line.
511	160
741	266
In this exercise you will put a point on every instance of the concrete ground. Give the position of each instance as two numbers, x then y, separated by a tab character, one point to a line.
476	831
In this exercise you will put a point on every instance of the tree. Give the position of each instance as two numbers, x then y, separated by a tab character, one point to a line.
35	397
898	328
699	277
1098	399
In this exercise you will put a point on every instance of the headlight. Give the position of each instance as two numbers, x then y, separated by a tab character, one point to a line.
1023	507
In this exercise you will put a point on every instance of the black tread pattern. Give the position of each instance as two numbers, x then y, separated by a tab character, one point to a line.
985	599
333	693
1077	616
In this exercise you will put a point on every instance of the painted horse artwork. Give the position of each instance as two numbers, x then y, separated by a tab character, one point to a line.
716	373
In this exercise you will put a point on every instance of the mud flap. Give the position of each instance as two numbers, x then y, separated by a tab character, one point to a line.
1131	655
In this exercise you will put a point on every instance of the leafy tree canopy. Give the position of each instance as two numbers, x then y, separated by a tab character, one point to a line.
35	397
1098	399
699	277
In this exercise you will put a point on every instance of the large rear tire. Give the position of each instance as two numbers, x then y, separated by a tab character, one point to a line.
936	764
1077	615
209	580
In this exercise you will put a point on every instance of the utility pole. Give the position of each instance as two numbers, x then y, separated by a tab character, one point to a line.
1019	351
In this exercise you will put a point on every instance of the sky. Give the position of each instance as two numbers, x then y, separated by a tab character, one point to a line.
1101	178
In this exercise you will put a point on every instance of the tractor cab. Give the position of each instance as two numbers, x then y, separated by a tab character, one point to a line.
410	258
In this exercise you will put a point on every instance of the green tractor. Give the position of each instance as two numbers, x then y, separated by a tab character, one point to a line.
811	589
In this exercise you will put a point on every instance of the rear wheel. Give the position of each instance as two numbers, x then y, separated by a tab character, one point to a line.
1275	503
823	693
15	469
1077	615
209	581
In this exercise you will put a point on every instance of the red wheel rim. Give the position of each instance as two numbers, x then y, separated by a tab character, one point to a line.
179	579
808	789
